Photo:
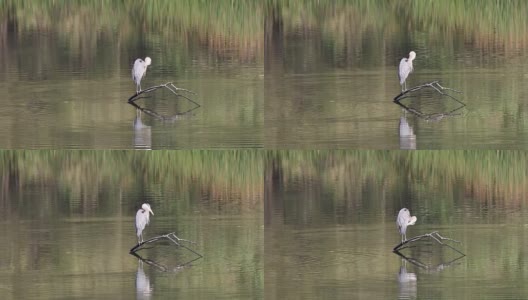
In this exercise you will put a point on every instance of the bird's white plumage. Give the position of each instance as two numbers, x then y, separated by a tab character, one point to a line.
404	219
406	67
142	220
139	70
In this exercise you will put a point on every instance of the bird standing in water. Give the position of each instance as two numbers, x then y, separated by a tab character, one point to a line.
139	70
406	67
404	219
142	219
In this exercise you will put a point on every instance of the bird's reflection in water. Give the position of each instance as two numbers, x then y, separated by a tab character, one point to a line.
407	282
142	133
143	287
407	136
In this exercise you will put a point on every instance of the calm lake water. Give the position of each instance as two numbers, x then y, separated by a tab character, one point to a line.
331	74
331	226
69	225
66	81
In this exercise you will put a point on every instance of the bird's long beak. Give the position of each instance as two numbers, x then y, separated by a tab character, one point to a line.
151	211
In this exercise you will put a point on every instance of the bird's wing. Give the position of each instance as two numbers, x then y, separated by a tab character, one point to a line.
403	219
137	70
400	221
404	70
412	221
141	220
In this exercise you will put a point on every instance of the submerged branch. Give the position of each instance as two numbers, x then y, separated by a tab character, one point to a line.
437	87
163	268
433	235
435	268
168	85
171	87
169	236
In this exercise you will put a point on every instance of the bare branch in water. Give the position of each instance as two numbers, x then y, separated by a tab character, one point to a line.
437	87
169	236
171	87
163	268
433	235
434	268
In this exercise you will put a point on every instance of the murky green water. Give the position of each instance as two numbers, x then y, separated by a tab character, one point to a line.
66	67
331	74
68	223
331	225
274	74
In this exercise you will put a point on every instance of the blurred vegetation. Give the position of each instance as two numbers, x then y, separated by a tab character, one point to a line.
357	182
346	24
232	28
107	181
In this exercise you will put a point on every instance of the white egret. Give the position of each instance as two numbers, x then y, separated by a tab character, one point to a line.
139	70
406	67
404	220
142	219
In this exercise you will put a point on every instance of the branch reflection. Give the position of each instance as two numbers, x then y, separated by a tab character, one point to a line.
164	267
435	115
174	90
431	267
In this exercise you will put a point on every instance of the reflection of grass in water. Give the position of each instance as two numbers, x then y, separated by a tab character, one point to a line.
235	178
485	22
486	174
222	25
